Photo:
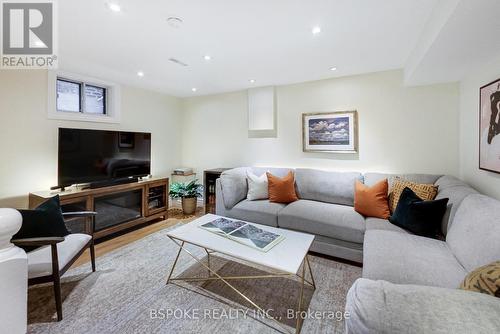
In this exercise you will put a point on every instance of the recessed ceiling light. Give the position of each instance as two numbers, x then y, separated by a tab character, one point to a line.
174	22
114	7
251	80
194	89
333	68
316	30
140	73
207	57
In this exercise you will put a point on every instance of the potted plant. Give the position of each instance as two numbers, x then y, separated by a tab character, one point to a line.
188	193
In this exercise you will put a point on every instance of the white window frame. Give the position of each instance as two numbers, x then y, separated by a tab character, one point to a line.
113	114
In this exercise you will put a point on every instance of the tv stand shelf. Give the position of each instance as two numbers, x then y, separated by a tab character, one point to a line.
119	206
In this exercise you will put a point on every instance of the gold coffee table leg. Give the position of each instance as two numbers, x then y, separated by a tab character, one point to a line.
299	317
175	262
208	260
310	272
213	275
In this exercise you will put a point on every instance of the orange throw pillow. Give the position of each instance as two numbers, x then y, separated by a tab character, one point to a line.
372	201
281	190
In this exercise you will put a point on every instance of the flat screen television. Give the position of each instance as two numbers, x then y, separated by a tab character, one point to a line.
96	156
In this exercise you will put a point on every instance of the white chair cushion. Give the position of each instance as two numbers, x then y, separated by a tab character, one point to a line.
40	260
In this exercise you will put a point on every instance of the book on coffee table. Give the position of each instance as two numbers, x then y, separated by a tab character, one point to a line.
245	233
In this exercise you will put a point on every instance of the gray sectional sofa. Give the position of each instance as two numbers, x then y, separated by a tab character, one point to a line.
325	207
409	283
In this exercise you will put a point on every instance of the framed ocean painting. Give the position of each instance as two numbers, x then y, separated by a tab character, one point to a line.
335	132
489	127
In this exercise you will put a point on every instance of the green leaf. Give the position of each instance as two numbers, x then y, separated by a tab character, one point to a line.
190	189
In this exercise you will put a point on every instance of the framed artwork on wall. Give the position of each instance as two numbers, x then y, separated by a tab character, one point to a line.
334	132
489	127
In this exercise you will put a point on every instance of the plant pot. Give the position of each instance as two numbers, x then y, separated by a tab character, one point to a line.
189	205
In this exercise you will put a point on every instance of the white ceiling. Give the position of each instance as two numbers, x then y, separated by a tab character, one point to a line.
266	40
271	41
460	36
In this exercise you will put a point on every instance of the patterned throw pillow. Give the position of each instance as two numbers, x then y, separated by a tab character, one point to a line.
426	192
485	279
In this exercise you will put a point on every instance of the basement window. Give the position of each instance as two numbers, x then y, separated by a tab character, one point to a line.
79	98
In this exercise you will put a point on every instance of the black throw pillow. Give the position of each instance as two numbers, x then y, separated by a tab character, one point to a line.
46	220
418	216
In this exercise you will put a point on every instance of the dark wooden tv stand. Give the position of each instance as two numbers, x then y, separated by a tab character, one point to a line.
119	207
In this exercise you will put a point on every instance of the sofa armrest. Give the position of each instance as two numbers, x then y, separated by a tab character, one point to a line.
383	307
233	189
220	208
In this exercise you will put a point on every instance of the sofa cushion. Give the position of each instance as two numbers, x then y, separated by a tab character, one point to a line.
281	172
372	178
474	233
455	190
382	307
326	186
409	259
238	171
260	212
373	223
330	220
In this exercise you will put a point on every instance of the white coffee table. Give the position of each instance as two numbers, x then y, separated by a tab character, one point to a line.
286	259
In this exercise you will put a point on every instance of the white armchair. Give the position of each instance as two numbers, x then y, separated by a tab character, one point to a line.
13	275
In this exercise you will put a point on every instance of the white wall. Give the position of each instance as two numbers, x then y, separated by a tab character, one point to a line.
401	129
28	139
484	181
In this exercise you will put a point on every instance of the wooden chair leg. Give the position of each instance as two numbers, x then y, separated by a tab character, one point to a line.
57	282
57	294
92	255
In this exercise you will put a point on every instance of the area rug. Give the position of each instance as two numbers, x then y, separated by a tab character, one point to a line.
128	294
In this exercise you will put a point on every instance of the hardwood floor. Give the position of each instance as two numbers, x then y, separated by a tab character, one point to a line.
103	247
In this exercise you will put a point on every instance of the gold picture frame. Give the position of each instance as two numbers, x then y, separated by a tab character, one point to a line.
330	132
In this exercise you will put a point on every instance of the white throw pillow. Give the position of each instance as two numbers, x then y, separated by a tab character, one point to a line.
257	187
